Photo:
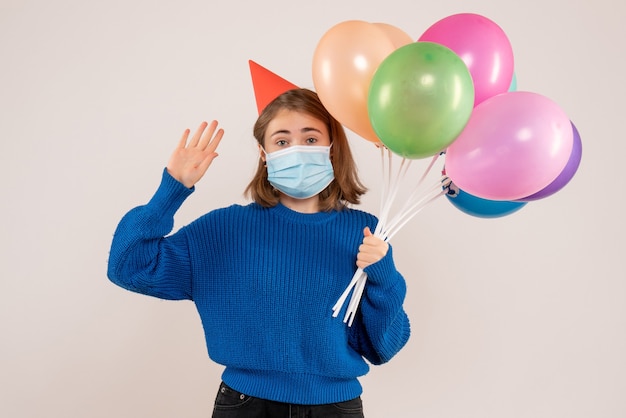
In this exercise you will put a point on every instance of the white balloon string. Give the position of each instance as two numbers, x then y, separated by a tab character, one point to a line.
356	299
394	182
386	164
412	196
355	278
398	179
413	211
387	197
410	206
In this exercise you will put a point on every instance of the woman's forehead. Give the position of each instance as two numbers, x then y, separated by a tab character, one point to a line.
293	121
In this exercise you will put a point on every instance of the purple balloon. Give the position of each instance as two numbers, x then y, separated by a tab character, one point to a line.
566	175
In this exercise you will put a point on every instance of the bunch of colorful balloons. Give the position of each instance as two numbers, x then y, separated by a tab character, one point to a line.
452	91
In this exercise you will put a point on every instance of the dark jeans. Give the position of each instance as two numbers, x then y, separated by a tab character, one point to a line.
231	404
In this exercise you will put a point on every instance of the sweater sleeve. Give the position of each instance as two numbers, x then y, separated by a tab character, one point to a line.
142	259
381	327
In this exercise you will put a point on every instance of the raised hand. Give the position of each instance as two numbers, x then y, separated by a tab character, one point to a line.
371	250
190	160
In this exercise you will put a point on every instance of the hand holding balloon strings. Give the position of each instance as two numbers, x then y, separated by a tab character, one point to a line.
385	230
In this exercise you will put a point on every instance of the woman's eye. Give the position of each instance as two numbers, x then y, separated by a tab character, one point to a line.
311	140
281	142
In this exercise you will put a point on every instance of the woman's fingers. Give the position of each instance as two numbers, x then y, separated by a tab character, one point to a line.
205	137
183	139
196	137
205	163
211	138
371	250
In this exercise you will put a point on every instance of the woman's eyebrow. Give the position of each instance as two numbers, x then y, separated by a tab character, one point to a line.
303	130
280	131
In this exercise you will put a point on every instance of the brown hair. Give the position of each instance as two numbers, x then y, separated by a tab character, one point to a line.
345	188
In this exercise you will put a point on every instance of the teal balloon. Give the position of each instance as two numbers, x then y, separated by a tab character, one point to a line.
513	85
479	207
420	99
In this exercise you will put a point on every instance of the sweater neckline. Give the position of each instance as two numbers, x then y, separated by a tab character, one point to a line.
303	218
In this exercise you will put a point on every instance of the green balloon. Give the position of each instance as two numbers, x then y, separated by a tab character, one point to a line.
420	99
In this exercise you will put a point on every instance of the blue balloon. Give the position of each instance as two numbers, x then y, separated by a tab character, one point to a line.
479	207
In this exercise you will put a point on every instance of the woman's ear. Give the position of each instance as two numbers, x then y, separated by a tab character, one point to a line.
261	152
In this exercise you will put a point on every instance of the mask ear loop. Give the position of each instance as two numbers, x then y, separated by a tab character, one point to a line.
261	153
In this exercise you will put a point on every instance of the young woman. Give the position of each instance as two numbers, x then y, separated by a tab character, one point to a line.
265	276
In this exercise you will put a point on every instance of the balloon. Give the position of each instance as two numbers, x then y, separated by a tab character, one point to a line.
481	208
420	99
566	175
482	45
397	36
514	145
344	62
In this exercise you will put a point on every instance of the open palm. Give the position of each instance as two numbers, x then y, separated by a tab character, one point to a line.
190	160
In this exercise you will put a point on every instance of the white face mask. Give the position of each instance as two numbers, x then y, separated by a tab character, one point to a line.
300	171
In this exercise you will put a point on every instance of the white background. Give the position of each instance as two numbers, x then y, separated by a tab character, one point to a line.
522	316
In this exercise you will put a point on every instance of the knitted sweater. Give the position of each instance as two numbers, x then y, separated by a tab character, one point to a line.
264	281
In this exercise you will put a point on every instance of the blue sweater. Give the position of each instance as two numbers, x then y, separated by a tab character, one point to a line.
264	281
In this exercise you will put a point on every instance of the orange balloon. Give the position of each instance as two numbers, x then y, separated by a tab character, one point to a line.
344	63
397	35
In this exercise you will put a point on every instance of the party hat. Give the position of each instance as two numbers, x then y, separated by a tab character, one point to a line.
267	85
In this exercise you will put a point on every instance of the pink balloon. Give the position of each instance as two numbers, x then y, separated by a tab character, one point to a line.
514	145
482	45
